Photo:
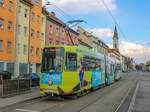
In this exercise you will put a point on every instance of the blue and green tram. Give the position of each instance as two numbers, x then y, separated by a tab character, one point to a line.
110	71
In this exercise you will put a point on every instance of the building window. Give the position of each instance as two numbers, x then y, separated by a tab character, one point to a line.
32	50
26	13
19	9
57	32
63	43
32	33
37	51
18	48
57	42
42	36
50	29
24	49
9	47
25	31
38	18
10	5
42	19
33	16
1	44
63	34
50	41
38	34
19	29
9	25
1	2
1	23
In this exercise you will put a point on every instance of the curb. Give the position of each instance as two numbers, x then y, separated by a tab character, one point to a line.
130	109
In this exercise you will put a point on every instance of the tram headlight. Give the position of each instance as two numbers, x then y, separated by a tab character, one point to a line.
50	83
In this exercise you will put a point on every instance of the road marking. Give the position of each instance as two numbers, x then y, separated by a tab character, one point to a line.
25	110
124	98
131	106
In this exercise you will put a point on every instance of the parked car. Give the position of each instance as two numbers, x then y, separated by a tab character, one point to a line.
5	75
34	79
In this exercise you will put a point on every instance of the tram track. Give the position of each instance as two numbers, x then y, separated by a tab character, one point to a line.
130	98
69	105
94	101
103	94
116	107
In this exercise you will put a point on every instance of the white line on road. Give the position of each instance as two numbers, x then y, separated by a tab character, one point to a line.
131	106
124	98
25	110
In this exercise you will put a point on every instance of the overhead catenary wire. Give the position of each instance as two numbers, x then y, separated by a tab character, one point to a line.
60	10
113	18
64	13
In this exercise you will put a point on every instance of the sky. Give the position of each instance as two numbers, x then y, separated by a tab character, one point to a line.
132	17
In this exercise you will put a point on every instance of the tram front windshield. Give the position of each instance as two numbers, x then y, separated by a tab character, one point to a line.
52	60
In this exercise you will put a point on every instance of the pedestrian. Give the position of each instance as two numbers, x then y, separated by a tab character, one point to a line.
81	75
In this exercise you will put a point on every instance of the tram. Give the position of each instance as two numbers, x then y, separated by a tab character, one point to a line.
110	70
118	71
69	70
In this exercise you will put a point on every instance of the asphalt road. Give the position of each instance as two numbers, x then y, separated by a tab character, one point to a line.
108	99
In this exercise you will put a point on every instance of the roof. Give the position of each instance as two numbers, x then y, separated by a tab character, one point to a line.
53	18
44	11
27	2
116	51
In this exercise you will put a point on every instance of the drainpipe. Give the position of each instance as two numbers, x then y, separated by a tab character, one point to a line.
16	64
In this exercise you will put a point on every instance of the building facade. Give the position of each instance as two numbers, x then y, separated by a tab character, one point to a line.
84	38
22	36
35	36
147	66
124	63
7	34
57	32
43	31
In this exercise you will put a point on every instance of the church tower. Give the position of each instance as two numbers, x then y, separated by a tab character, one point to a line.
115	39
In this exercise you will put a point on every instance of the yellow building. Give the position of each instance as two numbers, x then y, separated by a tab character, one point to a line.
43	31
22	36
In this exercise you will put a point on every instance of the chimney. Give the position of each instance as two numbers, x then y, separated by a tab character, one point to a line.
53	13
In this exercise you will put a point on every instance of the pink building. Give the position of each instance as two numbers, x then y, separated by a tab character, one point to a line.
57	33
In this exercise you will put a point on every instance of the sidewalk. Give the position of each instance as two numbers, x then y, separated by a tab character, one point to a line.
20	98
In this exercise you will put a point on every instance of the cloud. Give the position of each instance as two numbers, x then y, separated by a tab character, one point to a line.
102	32
135	50
84	6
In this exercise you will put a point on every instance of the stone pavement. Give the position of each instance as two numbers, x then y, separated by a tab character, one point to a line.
142	101
35	93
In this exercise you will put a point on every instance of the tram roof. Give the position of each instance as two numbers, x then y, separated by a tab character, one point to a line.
80	49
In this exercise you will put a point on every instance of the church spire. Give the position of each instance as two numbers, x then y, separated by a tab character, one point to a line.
115	39
115	33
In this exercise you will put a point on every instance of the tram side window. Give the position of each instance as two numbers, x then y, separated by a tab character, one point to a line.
112	69
91	63
71	61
